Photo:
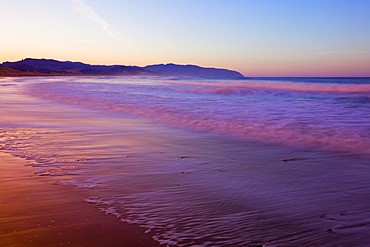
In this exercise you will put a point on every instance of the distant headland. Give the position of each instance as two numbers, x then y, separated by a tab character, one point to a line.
51	67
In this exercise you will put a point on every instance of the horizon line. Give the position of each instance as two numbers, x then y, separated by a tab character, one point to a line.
202	66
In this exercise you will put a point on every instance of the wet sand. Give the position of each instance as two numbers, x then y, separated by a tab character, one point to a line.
185	187
36	212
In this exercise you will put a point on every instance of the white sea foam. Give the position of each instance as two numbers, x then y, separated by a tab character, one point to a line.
302	116
194	189
21	155
40	171
284	86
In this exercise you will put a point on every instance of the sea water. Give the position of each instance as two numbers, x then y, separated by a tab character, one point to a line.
253	162
324	113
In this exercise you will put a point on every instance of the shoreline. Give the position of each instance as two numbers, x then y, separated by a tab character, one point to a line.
35	212
180	186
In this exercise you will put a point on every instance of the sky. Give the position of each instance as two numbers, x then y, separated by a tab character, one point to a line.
254	37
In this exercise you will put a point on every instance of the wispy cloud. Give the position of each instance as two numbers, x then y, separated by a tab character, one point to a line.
90	13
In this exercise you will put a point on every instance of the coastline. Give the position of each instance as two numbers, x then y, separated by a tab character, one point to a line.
8	72
181	186
35	211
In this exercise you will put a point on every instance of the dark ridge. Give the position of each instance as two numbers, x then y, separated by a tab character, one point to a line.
192	70
78	68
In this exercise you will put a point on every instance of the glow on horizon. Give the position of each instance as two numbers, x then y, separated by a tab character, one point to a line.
256	38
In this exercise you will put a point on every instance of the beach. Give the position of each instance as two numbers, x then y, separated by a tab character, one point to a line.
37	212
34	212
110	162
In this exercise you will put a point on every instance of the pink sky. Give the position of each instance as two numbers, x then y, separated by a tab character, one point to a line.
256	38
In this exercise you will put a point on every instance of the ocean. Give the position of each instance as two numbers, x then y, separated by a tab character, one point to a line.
324	113
208	162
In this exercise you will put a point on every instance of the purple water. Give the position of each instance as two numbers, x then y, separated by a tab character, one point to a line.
210	162
327	115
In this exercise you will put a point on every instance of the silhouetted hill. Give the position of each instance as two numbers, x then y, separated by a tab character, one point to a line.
44	65
54	66
50	66
192	70
9	72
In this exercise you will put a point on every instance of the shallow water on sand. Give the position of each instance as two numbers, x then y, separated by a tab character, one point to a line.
192	188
